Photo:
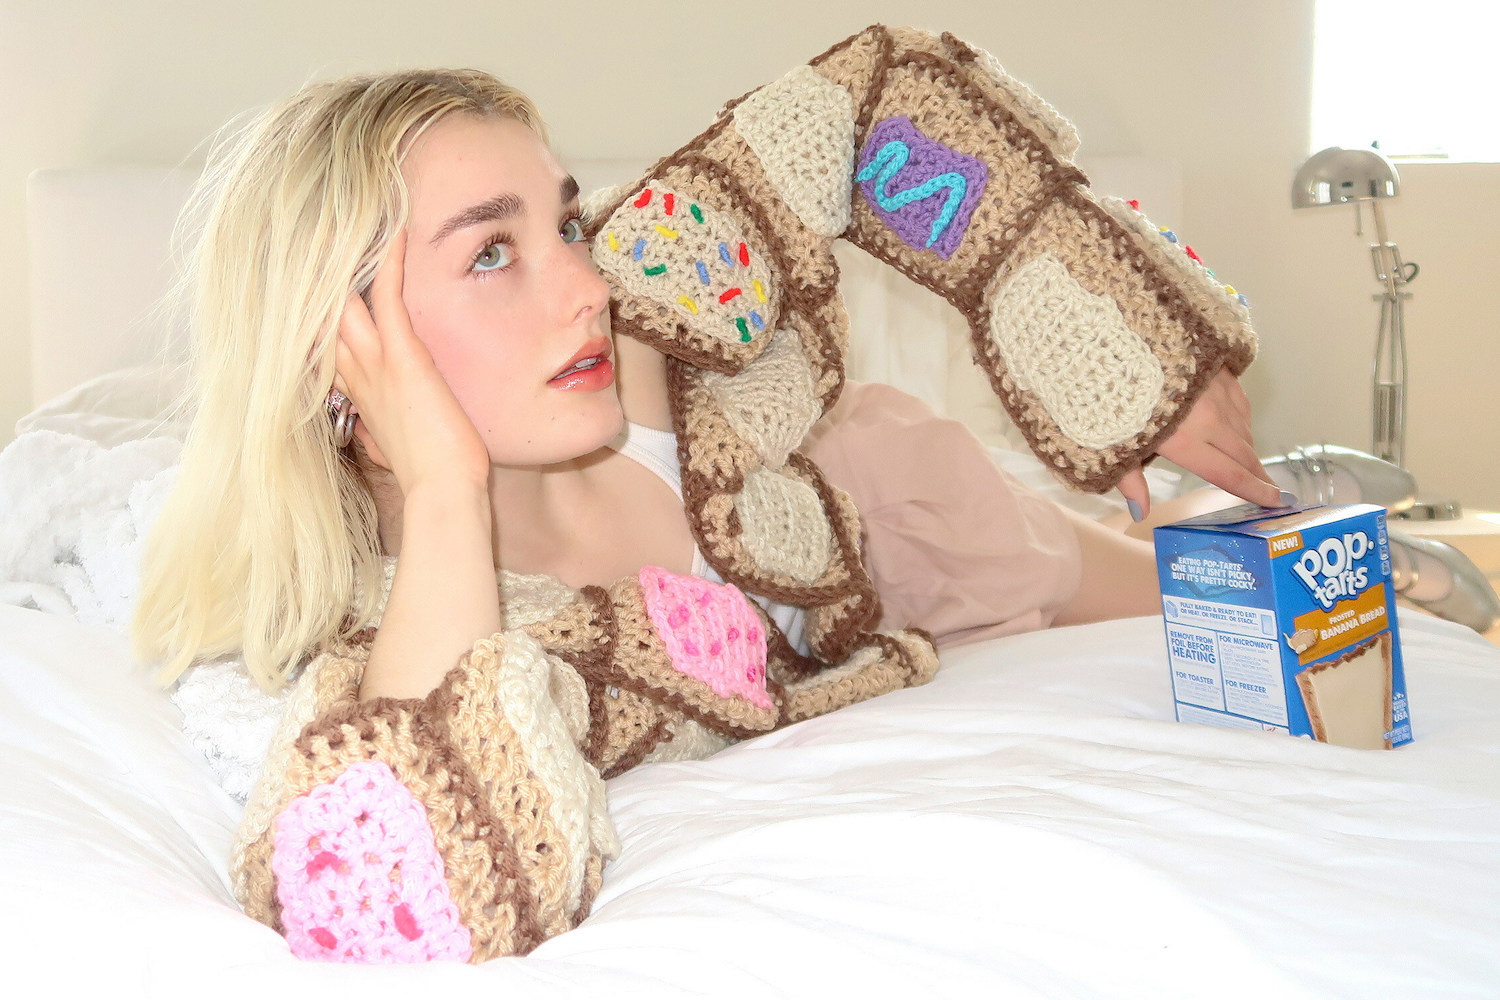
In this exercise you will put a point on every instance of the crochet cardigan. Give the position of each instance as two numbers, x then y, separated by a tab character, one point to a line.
472	822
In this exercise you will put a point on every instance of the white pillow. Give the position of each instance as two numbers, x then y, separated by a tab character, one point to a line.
898	330
129	404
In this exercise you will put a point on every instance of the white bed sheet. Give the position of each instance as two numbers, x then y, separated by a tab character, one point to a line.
1031	823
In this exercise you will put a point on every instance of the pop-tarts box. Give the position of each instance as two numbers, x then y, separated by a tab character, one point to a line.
1284	619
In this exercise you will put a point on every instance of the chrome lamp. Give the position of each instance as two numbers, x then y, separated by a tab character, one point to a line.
1338	176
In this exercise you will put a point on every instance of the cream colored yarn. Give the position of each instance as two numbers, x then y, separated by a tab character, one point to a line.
772	404
801	127
1071	348
782	525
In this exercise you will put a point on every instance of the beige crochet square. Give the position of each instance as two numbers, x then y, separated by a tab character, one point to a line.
739	543
1072	350
1105	260
1022	172
773	403
802	128
782	525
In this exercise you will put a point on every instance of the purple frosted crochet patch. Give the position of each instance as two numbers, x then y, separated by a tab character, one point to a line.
919	187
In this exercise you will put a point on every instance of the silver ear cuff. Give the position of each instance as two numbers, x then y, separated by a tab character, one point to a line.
341	411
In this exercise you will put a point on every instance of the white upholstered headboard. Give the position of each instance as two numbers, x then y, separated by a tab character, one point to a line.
899	332
115	321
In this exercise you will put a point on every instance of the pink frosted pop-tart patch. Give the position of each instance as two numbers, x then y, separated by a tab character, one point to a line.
711	632
359	877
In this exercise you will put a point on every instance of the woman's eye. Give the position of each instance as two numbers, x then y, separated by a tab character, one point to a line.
495	257
572	231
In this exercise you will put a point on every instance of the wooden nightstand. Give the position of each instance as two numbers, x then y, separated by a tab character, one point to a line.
1476	535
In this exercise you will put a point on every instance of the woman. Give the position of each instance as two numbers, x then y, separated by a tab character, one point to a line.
410	242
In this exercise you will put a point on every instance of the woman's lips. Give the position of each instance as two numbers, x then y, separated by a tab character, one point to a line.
597	348
592	379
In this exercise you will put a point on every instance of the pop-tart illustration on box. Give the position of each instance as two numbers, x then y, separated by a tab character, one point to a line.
1285	620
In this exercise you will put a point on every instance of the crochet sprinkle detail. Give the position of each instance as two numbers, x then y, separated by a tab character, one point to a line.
358	874
698	266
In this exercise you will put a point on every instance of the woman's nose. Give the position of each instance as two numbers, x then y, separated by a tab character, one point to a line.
587	292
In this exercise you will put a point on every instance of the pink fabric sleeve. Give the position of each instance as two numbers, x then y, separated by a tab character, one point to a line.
954	544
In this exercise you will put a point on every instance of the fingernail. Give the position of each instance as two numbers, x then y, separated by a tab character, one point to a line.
1288	499
1135	510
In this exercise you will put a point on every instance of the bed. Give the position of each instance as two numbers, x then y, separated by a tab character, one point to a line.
1032	823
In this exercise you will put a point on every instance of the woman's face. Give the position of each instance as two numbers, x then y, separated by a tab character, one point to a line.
502	291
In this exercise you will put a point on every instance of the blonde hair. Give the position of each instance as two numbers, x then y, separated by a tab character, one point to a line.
268	545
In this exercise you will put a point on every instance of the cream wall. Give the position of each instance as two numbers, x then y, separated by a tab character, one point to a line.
1219	85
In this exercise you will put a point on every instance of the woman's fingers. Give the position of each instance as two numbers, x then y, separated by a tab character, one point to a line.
387	307
1137	493
1232	434
343	361
1224	402
370	445
358	326
368	326
1222	470
1239	450
1215	442
356	349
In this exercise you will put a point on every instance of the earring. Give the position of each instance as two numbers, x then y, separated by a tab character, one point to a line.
341	411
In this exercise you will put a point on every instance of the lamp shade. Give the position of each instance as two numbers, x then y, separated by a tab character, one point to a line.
1336	176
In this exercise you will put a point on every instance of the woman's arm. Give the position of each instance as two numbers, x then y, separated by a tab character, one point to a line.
459	826
425	798
444	596
1100	335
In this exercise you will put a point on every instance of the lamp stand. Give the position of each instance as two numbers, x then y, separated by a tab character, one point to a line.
1388	373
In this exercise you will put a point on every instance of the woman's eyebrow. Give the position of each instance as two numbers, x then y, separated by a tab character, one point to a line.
496	209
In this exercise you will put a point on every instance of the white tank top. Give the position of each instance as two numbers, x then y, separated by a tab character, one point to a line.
657	451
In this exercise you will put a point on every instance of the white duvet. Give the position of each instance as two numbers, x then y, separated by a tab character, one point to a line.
1030	824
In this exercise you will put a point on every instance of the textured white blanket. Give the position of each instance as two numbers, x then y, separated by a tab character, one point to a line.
75	514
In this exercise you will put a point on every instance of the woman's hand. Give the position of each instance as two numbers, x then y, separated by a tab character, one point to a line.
1213	442
443	597
409	420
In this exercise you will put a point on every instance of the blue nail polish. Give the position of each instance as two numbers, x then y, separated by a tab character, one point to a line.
1135	510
